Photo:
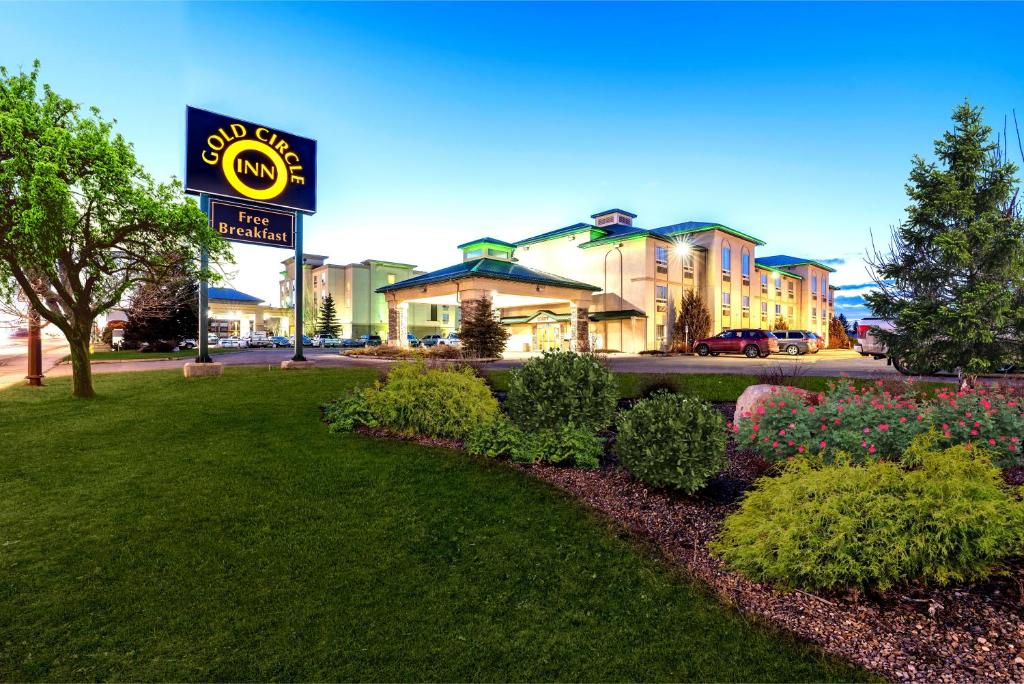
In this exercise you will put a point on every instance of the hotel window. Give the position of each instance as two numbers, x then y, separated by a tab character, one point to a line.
661	259
726	263
661	296
391	278
814	285
500	253
789	286
814	313
725	303
745	267
659	332
764	311
444	318
778	309
778	286
433	312
746	306
688	266
764	283
474	253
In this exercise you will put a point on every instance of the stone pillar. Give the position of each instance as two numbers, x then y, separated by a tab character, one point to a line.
579	317
403	324
393	323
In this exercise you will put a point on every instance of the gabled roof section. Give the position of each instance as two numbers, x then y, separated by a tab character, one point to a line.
786	261
691	227
229	294
559	232
489	268
510	320
486	241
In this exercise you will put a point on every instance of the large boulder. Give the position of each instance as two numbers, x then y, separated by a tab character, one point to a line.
758	396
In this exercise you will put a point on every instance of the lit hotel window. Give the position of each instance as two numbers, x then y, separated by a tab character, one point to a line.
814	285
746	306
391	278
764	283
745	267
661	259
726	262
725	304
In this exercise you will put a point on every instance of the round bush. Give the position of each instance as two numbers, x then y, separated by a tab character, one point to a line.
950	519
674	441
562	387
445	402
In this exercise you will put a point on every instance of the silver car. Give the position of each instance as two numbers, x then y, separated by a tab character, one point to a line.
796	342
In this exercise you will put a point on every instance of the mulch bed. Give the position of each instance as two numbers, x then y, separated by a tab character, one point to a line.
922	634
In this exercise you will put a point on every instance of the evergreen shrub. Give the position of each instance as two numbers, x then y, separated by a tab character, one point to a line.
562	387
950	518
672	440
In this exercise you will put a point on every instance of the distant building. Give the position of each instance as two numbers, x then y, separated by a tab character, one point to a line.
608	284
236	314
361	310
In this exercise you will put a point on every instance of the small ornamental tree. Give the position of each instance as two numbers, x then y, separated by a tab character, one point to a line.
327	318
81	222
482	334
780	324
837	338
165	311
953	281
693	322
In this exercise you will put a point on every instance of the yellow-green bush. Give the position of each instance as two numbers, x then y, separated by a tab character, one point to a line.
948	519
438	402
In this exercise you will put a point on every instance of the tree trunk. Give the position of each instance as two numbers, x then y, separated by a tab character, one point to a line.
80	365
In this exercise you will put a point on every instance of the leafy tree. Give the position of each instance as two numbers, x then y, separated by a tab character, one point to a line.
327	318
482	334
953	281
81	222
780	323
837	338
692	323
165	311
846	324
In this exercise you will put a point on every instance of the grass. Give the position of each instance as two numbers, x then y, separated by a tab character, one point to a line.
129	354
212	529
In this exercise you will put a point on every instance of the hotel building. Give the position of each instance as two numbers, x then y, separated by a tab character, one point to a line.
609	284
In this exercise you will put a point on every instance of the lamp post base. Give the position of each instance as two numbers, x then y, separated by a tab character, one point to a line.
292	364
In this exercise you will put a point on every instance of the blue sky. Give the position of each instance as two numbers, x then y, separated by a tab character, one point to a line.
438	123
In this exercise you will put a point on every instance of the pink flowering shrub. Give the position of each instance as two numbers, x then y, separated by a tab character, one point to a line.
871	423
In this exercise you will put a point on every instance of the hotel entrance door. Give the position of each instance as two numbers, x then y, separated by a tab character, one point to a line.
548	336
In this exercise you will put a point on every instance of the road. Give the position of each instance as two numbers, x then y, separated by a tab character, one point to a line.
829	362
14	358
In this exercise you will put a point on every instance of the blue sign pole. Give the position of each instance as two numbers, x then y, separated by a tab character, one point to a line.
298	288
204	293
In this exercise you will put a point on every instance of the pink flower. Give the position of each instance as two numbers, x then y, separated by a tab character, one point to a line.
760	410
867	431
822	444
775	445
782	433
992	441
883	426
810	409
871	449
800	450
903	419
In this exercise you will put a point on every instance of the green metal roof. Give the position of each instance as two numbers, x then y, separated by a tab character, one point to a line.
766	267
617	315
560	232
512	320
486	241
489	268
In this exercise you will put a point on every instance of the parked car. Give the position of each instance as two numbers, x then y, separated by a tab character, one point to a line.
430	340
306	341
451	340
187	344
258	339
235	342
280	341
794	342
413	341
213	338
370	341
116	339
750	342
323	341
351	343
867	344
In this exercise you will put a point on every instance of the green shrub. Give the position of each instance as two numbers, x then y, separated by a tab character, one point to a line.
671	440
349	412
498	438
566	444
950	519
562	387
443	402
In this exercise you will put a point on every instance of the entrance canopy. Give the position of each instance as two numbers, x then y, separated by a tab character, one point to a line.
508	285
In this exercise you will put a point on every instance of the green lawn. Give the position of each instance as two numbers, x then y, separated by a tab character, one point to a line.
212	529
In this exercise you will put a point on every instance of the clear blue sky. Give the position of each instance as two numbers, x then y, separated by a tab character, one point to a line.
438	123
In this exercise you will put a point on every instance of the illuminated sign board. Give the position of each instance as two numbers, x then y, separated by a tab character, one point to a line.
234	158
251	224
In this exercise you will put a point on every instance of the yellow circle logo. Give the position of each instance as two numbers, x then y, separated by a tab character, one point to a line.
280	176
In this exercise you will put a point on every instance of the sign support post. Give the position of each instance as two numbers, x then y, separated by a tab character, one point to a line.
204	294
298	288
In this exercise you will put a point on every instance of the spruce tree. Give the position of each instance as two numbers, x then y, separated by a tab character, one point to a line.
837	338
780	323
327	318
482	335
693	322
953	281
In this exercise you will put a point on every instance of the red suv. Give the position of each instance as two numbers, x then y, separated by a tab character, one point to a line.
749	342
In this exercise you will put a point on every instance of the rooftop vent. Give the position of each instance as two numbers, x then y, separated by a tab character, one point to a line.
613	217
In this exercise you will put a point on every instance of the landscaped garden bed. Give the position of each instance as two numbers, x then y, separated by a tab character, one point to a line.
941	598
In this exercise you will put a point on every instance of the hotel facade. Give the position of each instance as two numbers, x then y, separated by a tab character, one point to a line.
609	284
